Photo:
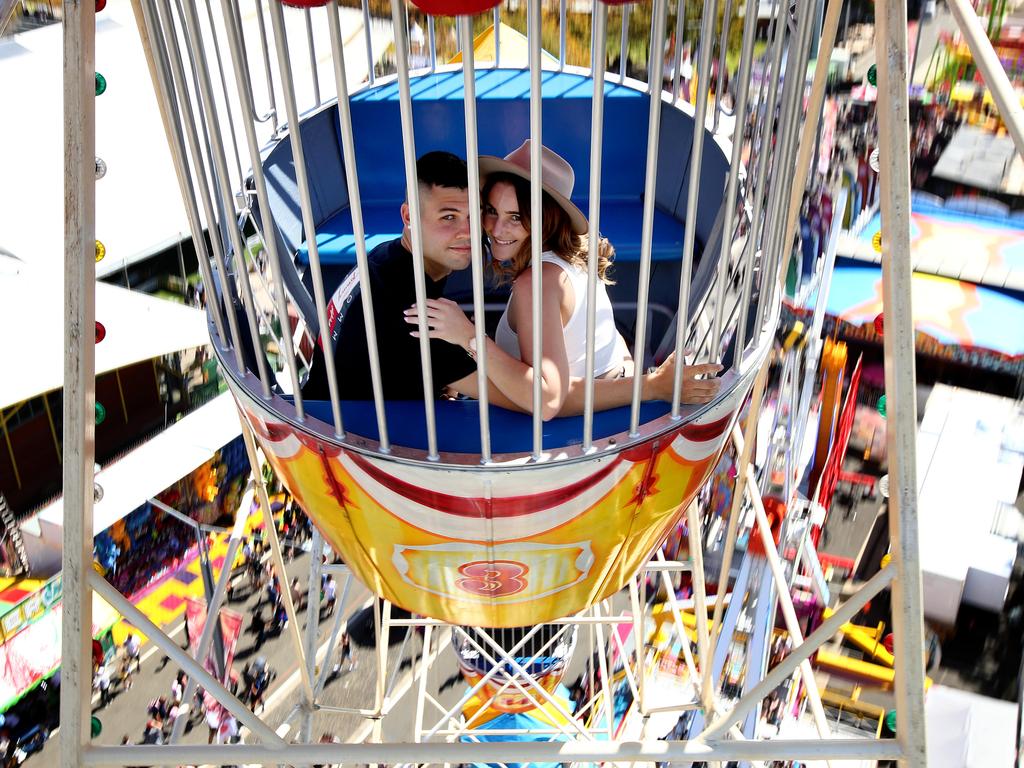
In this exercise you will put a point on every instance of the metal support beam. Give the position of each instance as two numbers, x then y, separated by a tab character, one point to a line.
496	753
782	586
696	543
750	431
316	559
900	376
277	559
79	375
212	609
988	63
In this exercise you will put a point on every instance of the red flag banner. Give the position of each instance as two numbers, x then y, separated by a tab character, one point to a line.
230	627
834	463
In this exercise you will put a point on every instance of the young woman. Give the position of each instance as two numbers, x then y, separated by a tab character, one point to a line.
510	363
506	220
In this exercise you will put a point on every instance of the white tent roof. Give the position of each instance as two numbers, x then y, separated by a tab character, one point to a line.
966	730
138	327
139	210
966	434
138	205
158	463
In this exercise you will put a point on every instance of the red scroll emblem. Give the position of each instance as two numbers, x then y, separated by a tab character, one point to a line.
518	572
497	578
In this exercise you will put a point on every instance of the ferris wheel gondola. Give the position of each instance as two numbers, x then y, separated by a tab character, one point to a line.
518	538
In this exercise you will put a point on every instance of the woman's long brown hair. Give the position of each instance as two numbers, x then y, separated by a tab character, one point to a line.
557	233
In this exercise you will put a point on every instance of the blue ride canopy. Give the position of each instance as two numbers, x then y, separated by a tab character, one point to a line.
503	112
503	107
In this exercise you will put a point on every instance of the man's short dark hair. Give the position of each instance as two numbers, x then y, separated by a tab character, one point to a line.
442	169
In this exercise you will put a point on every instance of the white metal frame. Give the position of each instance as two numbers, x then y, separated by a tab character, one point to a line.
720	739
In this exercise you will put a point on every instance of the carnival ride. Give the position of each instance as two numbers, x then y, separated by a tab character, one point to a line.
508	532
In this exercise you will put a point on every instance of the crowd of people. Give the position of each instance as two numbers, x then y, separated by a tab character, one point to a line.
138	549
115	673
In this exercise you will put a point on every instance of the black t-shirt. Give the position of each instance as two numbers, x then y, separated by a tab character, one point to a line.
394	290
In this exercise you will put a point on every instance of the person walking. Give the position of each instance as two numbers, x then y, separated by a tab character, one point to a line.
346	654
213	716
178	688
330	595
258	626
133	649
102	683
227	732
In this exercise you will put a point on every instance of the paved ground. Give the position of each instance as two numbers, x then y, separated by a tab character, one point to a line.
126	714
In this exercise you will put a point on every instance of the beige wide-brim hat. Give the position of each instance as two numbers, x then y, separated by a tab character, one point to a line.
557	177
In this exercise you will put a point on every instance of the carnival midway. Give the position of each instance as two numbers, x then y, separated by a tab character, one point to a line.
537	382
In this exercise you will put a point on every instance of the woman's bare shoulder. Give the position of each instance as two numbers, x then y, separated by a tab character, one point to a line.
553	278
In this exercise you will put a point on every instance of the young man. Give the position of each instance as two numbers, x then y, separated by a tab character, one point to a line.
444	214
445	232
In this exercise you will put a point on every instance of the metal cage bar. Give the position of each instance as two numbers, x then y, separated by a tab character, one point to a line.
432	42
740	110
370	75
232	133
358	231
306	206
307	17
561	35
264	50
692	193
168	58
412	195
245	97
720	81
222	182
497	35
624	41
175	140
654	91
677	56
476	237
599	33
536	215
760	134
780	236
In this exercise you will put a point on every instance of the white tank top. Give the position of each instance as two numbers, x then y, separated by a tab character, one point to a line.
608	354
